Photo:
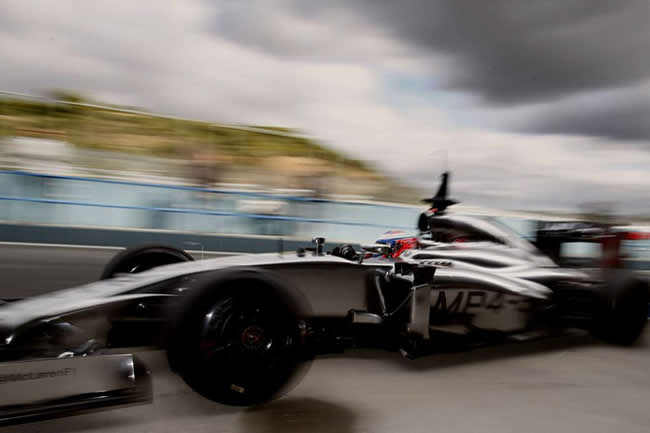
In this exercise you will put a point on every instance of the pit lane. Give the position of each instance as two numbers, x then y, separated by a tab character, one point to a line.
567	384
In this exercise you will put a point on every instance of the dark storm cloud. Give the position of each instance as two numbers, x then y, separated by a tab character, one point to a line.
519	51
622	120
506	50
509	52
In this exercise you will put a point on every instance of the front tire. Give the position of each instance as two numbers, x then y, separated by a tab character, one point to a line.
237	344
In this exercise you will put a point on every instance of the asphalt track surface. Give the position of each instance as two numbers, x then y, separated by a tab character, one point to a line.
32	269
568	384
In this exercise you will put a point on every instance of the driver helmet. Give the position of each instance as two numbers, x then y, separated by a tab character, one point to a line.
399	241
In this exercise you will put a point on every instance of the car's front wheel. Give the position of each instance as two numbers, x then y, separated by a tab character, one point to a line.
238	345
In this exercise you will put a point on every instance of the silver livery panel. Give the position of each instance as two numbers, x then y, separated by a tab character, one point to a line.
45	387
495	302
331	281
331	289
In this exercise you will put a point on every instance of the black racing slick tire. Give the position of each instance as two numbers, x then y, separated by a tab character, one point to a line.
237	340
623	311
142	258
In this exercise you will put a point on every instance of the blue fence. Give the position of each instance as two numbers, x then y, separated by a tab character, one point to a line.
80	201
35	198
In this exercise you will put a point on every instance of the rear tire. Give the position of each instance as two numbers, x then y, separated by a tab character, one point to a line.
237	342
624	310
142	258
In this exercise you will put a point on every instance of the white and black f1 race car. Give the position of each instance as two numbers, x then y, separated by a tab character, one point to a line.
239	329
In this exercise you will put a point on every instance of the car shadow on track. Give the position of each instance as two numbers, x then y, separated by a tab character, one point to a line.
289	415
501	351
455	357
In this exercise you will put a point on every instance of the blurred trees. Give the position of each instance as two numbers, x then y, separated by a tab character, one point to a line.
210	149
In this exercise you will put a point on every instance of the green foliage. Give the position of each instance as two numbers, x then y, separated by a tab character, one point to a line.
66	96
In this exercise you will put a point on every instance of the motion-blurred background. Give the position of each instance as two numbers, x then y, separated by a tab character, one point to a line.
299	118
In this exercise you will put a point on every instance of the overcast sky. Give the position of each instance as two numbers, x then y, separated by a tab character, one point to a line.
536	104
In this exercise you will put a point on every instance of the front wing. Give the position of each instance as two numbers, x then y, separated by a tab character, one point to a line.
46	388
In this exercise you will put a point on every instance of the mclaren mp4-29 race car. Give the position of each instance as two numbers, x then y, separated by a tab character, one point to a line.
239	329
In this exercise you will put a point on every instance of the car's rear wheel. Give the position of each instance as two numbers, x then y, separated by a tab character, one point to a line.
142	258
238	344
623	313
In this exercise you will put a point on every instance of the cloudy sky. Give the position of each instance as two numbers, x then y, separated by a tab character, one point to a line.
535	104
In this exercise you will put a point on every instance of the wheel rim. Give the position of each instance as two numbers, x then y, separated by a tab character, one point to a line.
245	345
